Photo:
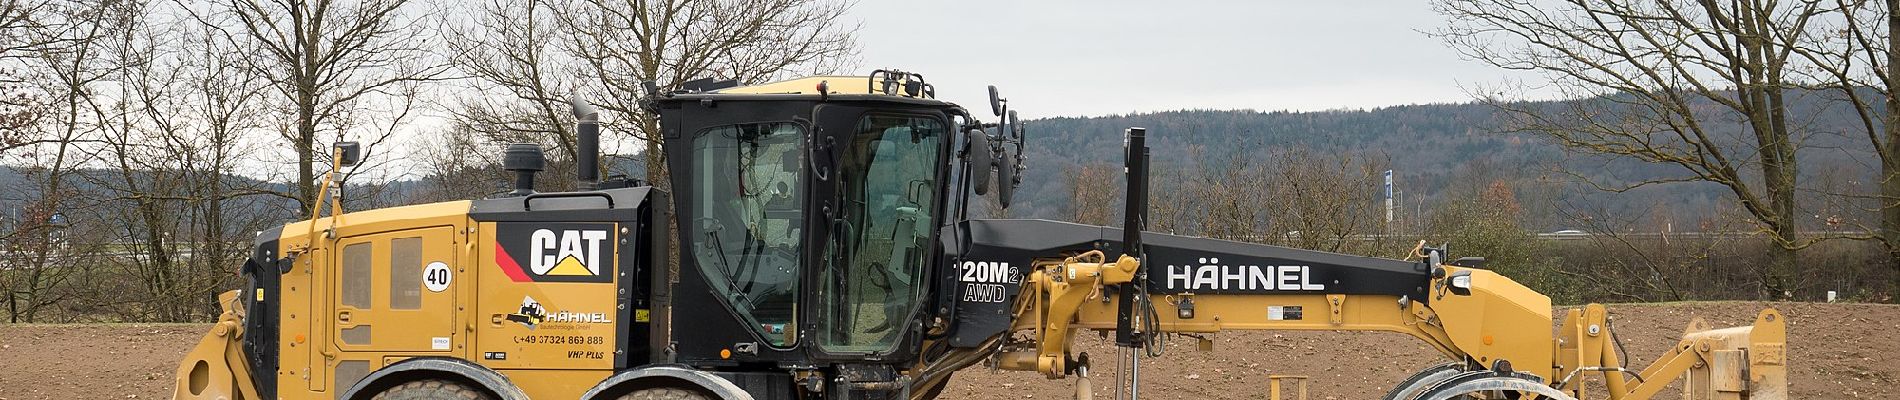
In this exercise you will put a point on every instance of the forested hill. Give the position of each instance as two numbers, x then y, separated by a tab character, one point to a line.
1423	142
1433	149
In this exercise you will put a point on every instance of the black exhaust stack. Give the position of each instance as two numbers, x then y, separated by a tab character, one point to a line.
524	159
1134	220
587	144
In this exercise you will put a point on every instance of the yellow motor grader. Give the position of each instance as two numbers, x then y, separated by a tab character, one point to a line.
825	251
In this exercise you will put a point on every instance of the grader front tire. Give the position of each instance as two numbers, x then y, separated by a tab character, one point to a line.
1422	380
432	389
664	393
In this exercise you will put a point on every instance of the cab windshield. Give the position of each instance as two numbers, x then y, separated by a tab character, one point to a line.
887	187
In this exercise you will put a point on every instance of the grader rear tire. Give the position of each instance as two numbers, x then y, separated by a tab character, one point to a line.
432	389
664	393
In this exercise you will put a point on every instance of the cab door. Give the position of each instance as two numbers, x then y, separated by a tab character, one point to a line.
395	291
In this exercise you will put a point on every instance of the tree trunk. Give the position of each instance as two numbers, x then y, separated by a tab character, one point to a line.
306	148
1783	273
658	176
1890	166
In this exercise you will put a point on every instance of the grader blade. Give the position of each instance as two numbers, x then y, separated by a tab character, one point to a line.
1748	362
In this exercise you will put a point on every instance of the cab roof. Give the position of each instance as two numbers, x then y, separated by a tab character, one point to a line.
837	88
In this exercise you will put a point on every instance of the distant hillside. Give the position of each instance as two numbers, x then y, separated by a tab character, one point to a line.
1427	145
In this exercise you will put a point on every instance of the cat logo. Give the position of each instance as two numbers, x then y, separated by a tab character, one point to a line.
555	252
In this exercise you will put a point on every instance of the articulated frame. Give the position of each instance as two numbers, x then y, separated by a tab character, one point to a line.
1493	326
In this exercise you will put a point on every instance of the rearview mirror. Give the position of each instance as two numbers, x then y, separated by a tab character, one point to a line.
976	151
996	102
1015	127
1006	179
348	154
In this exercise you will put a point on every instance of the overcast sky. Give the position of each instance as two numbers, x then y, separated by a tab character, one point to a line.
1090	58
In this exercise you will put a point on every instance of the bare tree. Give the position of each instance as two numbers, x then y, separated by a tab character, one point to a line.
1488	222
457	165
1092	198
1325	201
1851	52
1232	207
337	65
20	25
528	57
1700	86
520	80
185	102
623	43
69	65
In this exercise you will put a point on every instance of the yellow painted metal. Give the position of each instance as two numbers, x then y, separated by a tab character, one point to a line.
310	345
565	344
1336	304
1497	321
1486	325
1709	362
394	329
809	85
1059	289
1276	382
215	368
560	357
564	356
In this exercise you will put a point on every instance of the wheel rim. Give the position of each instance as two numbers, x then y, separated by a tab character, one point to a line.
1418	382
1496	387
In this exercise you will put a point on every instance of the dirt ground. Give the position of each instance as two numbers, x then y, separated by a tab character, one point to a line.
1837	351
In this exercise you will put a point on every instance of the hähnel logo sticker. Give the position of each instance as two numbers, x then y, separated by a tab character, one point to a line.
530	314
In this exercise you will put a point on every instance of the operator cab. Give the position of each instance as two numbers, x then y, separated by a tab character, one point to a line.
808	216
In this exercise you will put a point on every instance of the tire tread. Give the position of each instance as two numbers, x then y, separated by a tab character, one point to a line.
431	389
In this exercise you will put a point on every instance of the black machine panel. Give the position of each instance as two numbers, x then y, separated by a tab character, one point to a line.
263	274
988	272
640	212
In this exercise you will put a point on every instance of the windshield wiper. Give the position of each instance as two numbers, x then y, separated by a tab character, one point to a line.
733	293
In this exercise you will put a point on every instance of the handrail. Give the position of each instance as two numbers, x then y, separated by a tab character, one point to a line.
527	202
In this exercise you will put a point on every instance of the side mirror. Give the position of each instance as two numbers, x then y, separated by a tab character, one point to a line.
976	151
1006	179
996	102
1015	126
348	154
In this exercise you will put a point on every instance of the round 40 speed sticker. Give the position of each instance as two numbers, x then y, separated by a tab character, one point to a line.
436	276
